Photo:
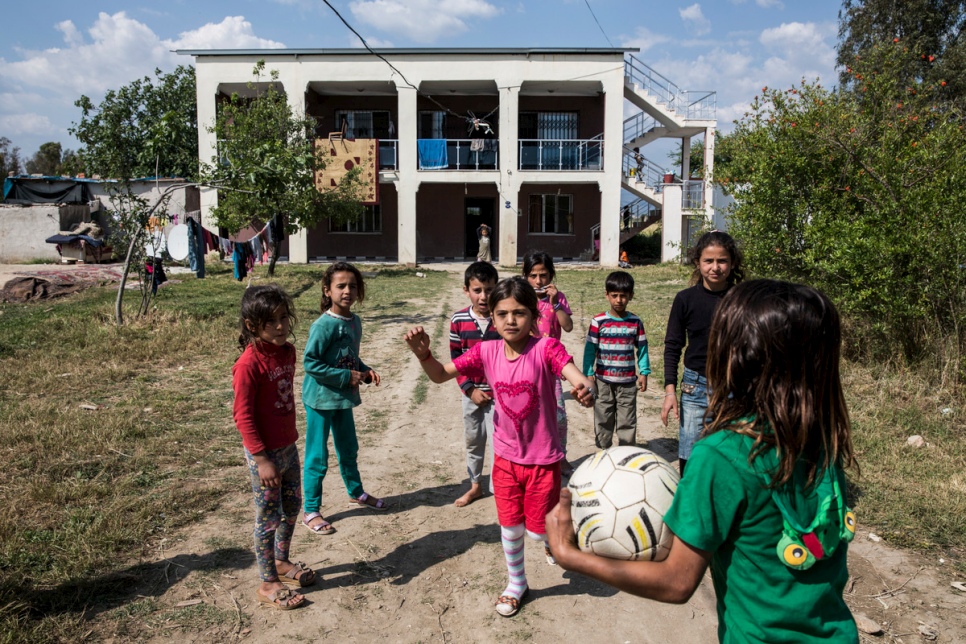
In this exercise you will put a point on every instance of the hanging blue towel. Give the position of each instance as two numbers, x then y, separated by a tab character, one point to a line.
432	154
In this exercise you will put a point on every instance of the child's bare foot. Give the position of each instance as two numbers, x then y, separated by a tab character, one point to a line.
475	492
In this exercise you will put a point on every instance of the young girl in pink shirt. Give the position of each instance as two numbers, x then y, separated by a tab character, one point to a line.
526	443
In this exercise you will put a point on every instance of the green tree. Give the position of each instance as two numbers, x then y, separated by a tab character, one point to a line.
146	128
46	160
70	163
930	28
9	158
859	192
266	162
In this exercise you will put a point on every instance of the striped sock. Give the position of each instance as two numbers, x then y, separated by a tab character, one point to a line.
512	538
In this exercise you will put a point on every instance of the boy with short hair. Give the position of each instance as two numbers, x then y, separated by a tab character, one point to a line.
612	340
468	327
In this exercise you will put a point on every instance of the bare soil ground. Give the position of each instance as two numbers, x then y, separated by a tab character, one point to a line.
426	571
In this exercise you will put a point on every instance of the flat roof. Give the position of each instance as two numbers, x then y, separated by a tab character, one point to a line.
415	51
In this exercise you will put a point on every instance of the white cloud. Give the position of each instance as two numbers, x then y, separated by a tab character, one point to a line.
375	43
72	37
118	50
644	39
40	88
767	4
695	18
13	125
16	101
737	71
234	32
424	21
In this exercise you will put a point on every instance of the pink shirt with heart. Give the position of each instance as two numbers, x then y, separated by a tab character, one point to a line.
525	416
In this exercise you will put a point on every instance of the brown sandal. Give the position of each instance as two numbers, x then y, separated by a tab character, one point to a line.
283	599
298	576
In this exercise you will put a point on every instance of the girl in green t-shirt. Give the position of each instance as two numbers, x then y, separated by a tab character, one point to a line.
762	499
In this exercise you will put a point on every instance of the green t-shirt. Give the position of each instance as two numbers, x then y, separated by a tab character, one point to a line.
723	506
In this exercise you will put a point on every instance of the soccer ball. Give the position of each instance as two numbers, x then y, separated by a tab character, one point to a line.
619	498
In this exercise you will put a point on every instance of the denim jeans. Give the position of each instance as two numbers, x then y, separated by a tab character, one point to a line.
694	406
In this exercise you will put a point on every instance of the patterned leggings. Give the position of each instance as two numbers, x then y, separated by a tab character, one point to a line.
276	509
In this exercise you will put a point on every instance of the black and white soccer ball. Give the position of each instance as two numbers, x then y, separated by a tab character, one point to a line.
619	498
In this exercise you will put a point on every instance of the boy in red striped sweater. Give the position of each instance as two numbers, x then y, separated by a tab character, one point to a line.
468	327
612	340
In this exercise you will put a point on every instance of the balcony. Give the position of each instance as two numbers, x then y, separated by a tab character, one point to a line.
457	154
388	154
562	154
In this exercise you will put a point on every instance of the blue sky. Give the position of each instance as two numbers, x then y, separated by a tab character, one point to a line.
53	52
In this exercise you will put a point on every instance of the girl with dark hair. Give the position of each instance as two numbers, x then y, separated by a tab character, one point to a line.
553	317
763	501
333	373
521	371
717	267
264	413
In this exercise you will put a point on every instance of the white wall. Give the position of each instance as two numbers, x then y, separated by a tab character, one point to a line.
23	230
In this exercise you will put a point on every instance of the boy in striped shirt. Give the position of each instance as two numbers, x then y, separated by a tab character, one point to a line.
612	340
467	327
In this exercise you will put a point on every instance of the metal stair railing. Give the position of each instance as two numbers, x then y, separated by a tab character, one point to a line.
639	125
689	104
647	171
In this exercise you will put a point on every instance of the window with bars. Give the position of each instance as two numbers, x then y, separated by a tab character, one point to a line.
548	125
369	222
365	124
552	214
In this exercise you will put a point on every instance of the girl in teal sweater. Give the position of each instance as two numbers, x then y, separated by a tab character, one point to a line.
333	373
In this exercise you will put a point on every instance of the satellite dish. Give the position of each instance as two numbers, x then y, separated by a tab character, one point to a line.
178	242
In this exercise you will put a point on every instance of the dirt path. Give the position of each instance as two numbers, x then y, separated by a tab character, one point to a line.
426	571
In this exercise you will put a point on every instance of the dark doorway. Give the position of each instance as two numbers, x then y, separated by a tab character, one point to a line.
476	213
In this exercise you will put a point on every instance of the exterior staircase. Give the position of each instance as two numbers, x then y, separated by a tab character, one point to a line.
666	111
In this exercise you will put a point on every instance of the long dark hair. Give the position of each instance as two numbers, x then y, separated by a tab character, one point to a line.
258	305
722	240
536	257
340	267
773	369
520	290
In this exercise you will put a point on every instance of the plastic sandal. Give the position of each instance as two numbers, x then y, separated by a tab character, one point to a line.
370	502
323	528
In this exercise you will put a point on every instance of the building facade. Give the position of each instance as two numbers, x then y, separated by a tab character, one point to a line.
530	142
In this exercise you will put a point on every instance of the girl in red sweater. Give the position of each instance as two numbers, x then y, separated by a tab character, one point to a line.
264	414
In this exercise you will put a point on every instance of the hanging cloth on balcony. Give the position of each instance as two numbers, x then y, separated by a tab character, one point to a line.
432	154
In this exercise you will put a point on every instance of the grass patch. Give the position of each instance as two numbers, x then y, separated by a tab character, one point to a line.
84	493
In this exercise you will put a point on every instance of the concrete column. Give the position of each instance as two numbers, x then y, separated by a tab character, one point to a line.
610	184
672	223
298	242
206	89
685	158
709	173
408	184
510	183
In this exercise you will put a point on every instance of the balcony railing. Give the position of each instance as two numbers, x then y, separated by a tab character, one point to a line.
692	194
562	154
388	154
458	154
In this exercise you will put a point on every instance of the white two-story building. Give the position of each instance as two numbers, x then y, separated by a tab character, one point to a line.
544	167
